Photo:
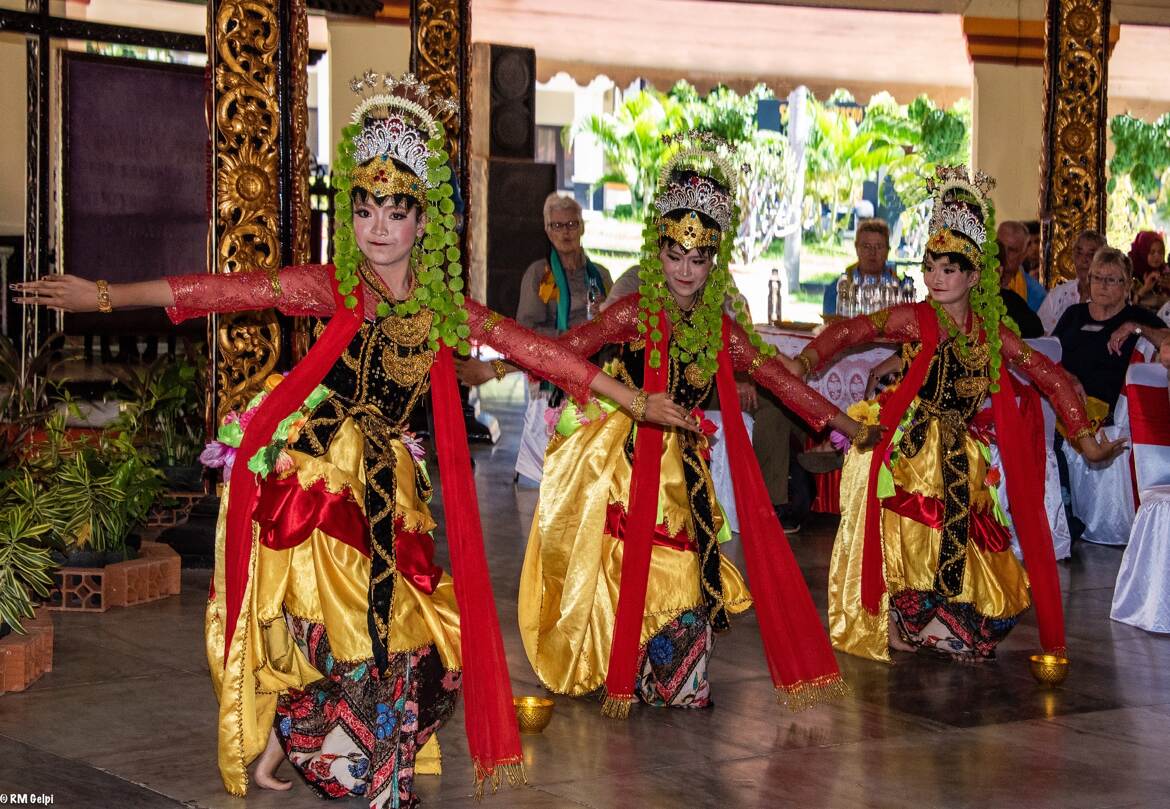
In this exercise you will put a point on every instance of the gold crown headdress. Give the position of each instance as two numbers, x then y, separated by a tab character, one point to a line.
705	154
958	220
397	121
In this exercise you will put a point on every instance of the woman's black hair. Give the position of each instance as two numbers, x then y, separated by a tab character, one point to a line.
683	177
964	262
360	195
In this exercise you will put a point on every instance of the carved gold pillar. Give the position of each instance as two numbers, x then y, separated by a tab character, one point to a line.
258	52
1072	196
440	55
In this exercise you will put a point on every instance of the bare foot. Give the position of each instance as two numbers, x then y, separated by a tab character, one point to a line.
265	773
896	642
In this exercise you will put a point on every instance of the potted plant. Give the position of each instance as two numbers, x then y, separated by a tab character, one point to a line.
25	566
164	411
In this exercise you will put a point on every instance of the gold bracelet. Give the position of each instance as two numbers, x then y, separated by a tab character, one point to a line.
638	406
500	369
491	321
104	305
1084	432
757	361
804	360
861	435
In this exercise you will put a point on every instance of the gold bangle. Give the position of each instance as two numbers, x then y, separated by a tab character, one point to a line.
638	406
1084	432
861	435
103	295
500	369
804	360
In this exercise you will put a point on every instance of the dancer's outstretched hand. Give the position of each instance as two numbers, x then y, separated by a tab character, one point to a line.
472	371
65	292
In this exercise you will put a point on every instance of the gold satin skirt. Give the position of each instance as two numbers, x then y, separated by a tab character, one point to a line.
322	580
993	582
571	576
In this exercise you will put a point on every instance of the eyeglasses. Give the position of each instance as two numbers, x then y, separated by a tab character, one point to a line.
1106	280
572	224
871	248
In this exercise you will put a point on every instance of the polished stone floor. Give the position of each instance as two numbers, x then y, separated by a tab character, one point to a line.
127	717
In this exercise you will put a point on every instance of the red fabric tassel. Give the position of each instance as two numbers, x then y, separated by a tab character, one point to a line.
627	629
288	395
492	735
795	644
1019	433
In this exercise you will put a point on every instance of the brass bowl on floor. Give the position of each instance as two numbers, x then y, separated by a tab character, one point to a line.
533	713
1049	670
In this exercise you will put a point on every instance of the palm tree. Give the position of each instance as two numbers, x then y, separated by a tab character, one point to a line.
631	140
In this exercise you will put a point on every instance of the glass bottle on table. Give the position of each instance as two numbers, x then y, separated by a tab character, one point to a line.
774	297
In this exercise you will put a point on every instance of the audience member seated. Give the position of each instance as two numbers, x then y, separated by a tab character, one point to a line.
1098	337
1031	263
872	243
1075	290
1151	275
1017	309
1014	238
564	273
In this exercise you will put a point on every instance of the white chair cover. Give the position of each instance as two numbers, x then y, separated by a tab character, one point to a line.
721	472
1102	494
1142	595
534	437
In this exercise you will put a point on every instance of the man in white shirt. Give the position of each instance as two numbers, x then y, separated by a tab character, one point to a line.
1076	290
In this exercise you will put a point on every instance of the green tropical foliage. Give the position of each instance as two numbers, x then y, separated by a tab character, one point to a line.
24	565
631	138
1139	177
845	149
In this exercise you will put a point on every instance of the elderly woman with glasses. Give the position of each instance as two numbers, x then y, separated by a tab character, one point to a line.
563	288
1098	337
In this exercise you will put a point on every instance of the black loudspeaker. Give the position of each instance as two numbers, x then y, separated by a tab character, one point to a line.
513	103
515	234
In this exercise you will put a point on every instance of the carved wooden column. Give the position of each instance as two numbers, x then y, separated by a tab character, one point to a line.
258	51
440	55
1072	196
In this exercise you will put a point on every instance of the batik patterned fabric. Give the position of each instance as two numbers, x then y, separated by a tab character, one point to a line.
357	732
929	620
673	668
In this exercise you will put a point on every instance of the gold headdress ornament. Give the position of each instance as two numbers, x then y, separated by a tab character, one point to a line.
705	153
397	121
961	208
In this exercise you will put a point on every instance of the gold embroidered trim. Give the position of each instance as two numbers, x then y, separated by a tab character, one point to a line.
491	321
757	363
809	693
879	320
411	330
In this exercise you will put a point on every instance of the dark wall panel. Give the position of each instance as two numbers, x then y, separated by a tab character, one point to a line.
516	238
135	178
513	103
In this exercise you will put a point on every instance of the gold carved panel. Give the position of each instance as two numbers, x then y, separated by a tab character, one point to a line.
246	121
440	50
1075	72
